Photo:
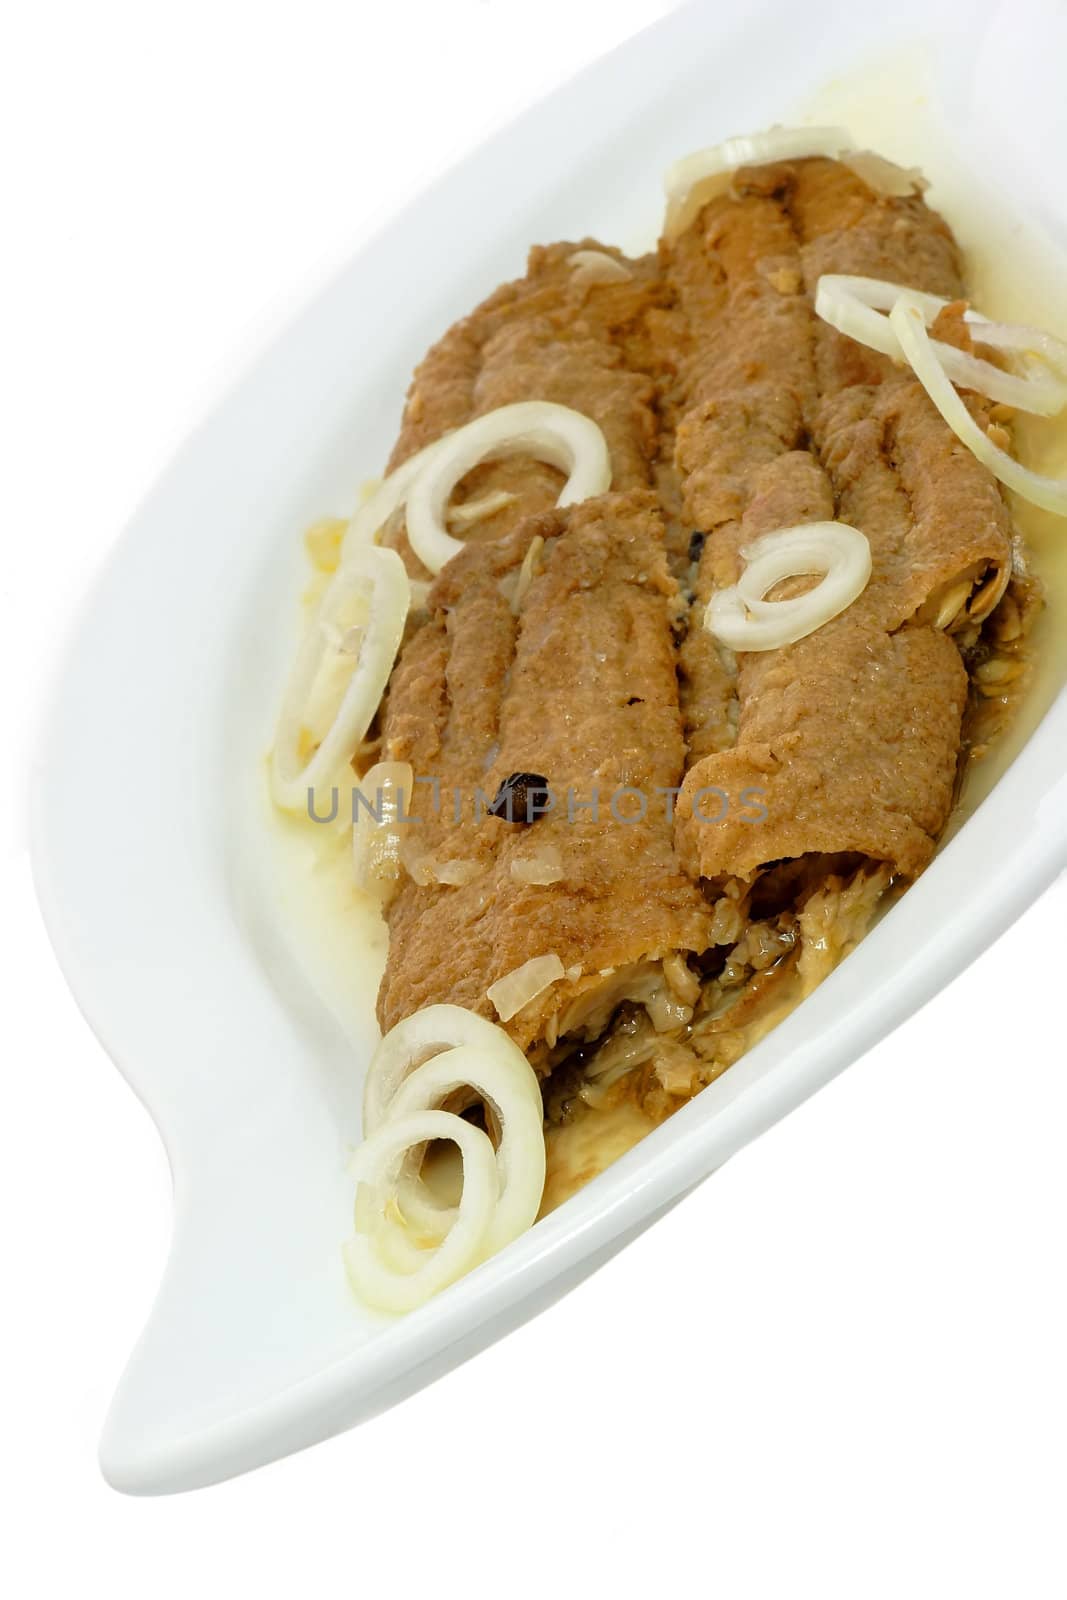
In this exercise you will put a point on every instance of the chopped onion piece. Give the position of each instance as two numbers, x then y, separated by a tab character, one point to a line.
377	579
596	266
508	1086
855	307
387	788
557	434
530	562
419	1037
742	619
373	1257
695	179
910	328
457	872
543	866
517	988
472	511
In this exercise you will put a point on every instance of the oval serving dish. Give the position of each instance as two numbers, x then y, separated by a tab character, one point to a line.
180	934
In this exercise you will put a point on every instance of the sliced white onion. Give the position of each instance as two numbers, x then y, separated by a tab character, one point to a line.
517	988
553	433
855	307
373	579
557	434
743	620
387	788
508	1085
424	1034
695	179
408	1244
910	328
370	518
384	1268
596	266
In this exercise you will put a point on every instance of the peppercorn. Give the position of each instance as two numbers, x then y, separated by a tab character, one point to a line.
522	797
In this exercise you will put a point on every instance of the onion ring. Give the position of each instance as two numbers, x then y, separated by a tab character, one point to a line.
420	1036
377	579
511	1092
385	1270
855	307
371	517
695	179
909	326
557	434
740	617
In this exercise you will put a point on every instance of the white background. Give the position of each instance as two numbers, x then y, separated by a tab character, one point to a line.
838	1368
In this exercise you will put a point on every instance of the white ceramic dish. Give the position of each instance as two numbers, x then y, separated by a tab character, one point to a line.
157	883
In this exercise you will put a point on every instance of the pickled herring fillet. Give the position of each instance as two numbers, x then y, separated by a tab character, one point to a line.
551	336
850	740
579	687
851	735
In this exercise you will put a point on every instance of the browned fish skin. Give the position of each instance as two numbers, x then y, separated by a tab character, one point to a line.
579	686
854	732
542	337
